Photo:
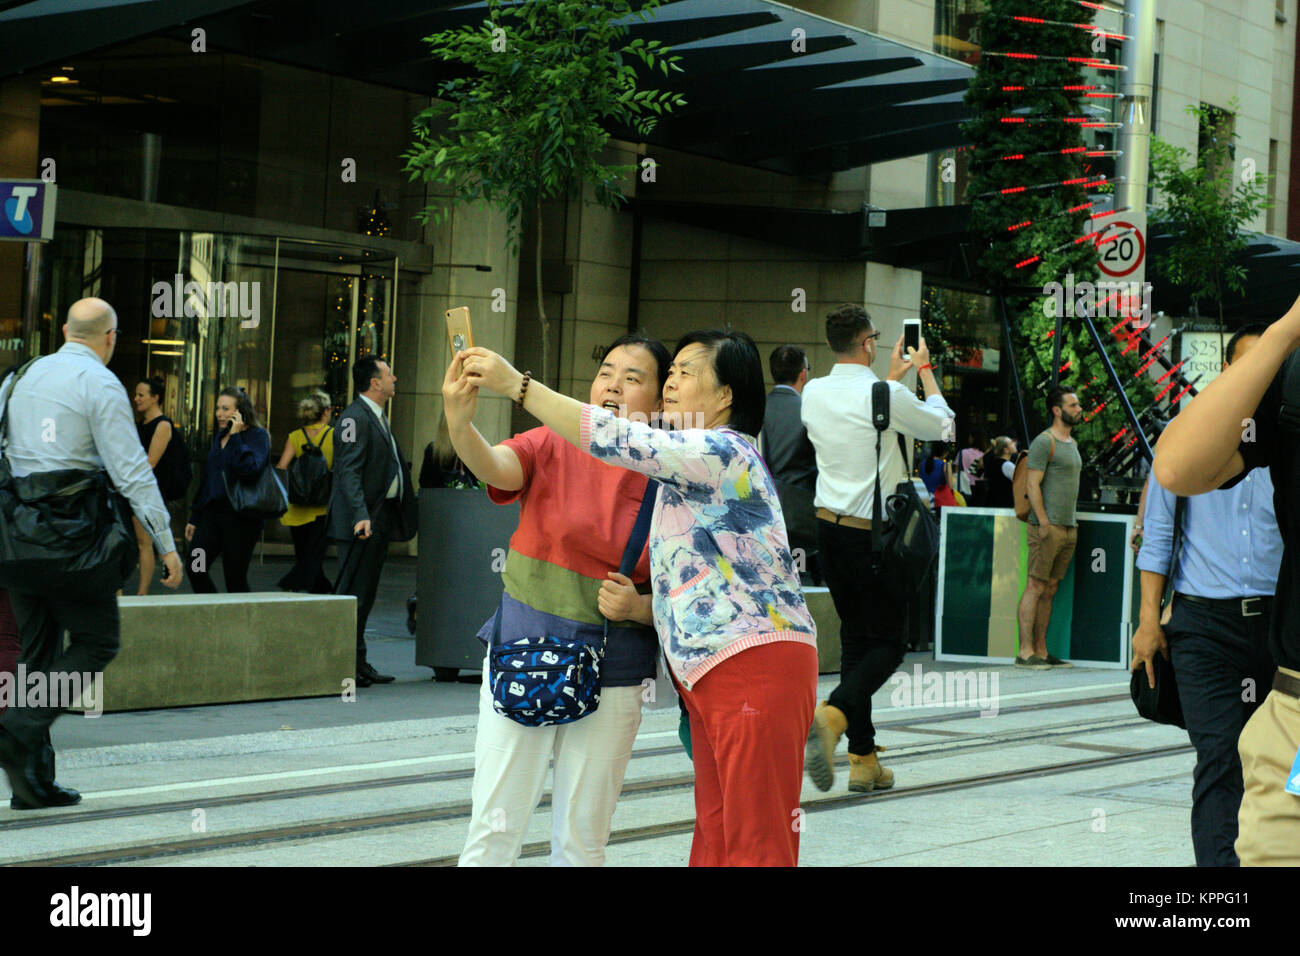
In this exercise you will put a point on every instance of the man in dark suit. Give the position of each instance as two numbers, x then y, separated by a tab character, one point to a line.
372	501
790	455
786	447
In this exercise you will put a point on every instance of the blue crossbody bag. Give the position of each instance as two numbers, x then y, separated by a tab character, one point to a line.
540	681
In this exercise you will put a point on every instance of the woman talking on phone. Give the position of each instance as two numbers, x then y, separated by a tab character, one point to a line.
241	448
561	578
727	605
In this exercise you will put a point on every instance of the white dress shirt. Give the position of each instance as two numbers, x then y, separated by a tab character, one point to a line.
836	410
70	411
394	489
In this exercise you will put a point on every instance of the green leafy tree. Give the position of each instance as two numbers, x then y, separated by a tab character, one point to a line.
547	78
1204	205
1047	244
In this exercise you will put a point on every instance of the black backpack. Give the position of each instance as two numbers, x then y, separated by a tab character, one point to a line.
906	549
310	478
175	471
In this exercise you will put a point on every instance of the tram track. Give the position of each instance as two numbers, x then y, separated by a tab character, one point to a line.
322	829
445	776
252	839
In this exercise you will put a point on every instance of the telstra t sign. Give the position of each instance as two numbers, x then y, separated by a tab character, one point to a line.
28	206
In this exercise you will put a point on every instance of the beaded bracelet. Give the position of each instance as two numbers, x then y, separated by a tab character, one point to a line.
519	402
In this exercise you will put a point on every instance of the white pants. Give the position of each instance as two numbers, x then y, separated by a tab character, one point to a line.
510	763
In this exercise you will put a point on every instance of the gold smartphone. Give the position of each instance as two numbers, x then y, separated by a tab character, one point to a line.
459	330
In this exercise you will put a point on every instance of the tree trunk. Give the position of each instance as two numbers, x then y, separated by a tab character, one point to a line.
541	304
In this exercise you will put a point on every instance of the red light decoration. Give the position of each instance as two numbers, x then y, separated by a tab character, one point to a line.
1062	368
1171	371
1178	397
1024	262
1019	225
1013	189
1165	391
1115	437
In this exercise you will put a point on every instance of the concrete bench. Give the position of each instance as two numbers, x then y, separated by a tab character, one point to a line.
822	609
179	650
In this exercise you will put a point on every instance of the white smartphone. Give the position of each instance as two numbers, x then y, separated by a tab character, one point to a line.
911	335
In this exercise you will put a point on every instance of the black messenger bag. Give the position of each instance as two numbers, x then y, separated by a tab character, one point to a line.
61	528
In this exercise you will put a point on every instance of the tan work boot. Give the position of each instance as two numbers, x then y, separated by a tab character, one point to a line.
866	774
829	724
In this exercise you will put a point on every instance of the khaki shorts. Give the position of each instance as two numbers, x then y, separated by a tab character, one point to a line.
1268	832
1050	550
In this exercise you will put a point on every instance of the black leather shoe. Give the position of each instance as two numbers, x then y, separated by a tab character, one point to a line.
20	764
362	679
411	604
57	796
374	675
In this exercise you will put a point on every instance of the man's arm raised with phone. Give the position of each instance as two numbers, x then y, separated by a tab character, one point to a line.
1198	451
497	465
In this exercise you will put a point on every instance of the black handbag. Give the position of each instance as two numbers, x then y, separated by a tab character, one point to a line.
905	547
262	497
60	528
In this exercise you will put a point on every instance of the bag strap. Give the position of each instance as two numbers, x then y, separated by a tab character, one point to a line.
323	436
1180	513
17	372
880	422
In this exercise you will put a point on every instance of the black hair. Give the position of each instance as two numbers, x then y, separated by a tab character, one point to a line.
656	348
938	449
1056	397
1253	328
977	439
156	386
243	405
786	362
735	363
844	325
366	368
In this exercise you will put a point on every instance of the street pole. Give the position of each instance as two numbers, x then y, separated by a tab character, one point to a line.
1137	56
1010	351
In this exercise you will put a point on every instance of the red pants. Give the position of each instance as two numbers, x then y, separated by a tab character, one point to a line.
10	645
749	722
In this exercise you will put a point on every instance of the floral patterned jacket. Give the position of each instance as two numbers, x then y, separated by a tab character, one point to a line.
720	565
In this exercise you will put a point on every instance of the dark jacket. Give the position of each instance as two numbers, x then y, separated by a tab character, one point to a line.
786	448
363	470
244	457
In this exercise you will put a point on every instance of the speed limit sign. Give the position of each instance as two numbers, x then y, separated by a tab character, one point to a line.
1121	247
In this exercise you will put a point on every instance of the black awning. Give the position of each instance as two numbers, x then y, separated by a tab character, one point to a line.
759	92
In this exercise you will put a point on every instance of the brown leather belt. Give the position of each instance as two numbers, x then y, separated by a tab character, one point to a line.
863	524
1286	684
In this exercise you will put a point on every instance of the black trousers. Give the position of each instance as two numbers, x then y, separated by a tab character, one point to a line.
309	543
1215	653
221	534
872	627
360	565
91	622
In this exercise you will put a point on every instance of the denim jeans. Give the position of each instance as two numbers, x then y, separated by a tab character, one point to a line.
1215	651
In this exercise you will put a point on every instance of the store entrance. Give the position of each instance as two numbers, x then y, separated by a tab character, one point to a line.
202	311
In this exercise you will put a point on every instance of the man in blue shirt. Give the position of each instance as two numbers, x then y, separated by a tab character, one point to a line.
1217	627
